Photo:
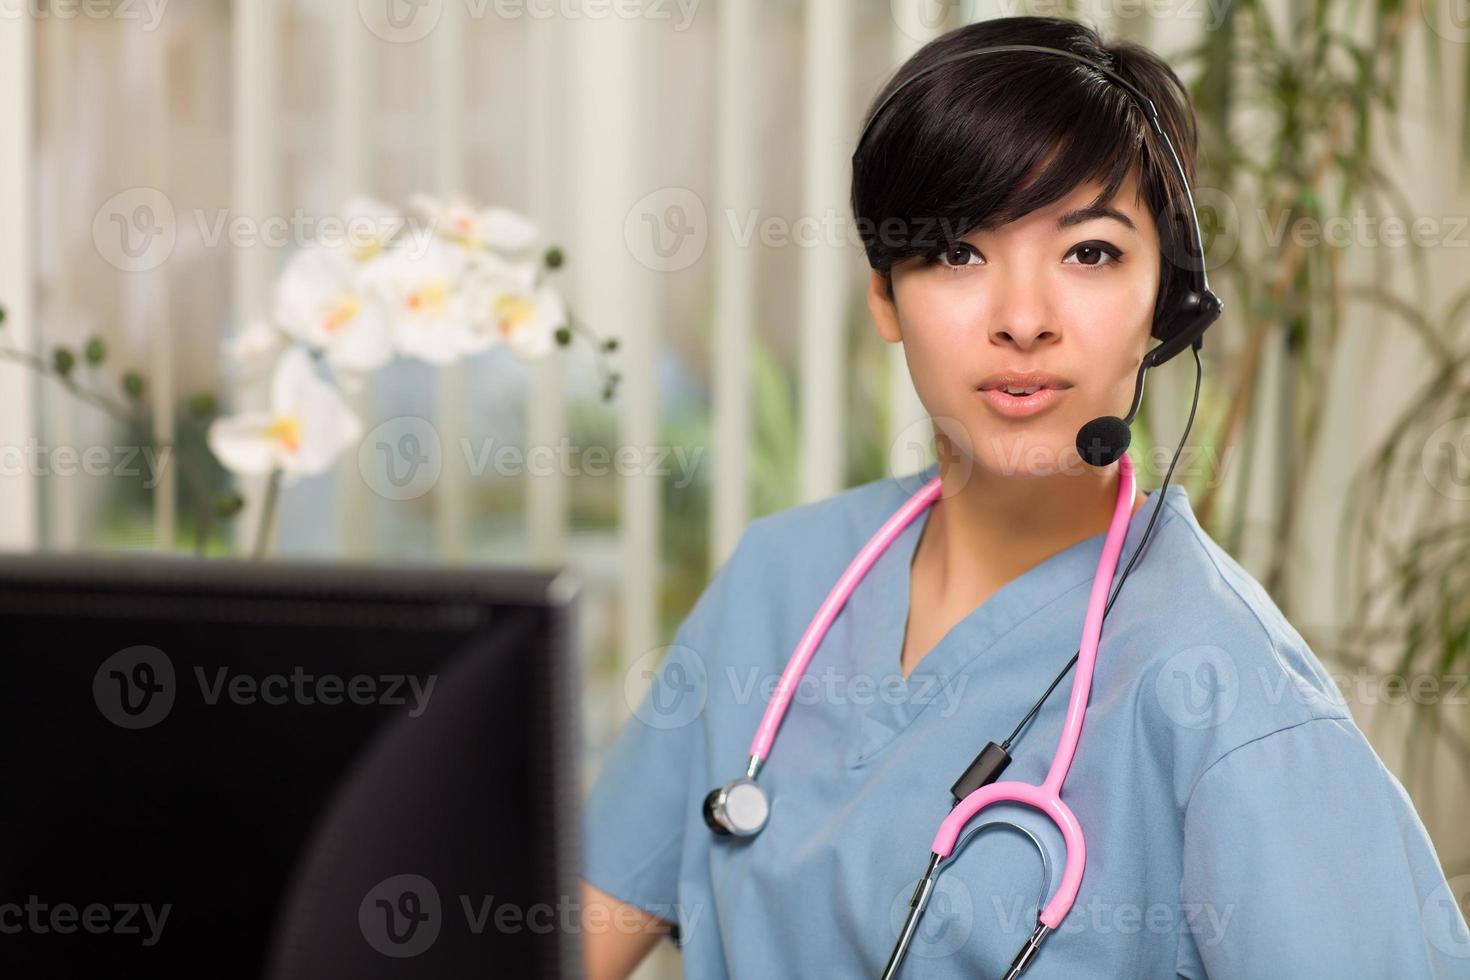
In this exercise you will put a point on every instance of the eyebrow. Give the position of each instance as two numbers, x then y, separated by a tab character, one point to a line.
1087	214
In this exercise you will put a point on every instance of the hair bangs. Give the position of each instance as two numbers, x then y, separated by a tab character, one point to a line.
958	144
990	158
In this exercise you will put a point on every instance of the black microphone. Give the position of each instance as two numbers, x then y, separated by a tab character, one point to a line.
1104	440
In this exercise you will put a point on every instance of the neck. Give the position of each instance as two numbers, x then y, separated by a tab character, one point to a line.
987	529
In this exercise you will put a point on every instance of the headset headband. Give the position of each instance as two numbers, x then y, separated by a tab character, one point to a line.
1200	306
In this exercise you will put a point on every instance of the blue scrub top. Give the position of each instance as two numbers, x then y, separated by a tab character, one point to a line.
1238	824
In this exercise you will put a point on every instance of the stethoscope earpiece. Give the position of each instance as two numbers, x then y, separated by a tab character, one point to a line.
738	808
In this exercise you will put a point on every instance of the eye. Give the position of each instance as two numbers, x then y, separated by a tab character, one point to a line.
956	255
1092	254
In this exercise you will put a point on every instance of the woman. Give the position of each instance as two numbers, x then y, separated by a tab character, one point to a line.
1015	211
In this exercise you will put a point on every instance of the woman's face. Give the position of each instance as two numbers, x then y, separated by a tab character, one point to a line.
1058	291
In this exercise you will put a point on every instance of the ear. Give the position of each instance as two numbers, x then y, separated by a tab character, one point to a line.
882	307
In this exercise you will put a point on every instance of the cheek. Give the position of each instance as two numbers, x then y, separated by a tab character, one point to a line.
1125	297
942	327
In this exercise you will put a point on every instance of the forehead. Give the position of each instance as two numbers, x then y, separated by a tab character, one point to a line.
1128	198
1126	208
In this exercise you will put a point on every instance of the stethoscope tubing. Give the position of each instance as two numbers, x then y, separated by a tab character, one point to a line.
765	734
1047	797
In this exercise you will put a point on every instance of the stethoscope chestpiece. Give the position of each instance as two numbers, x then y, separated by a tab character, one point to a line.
738	808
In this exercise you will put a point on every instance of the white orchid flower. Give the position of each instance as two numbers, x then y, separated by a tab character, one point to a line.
371	226
321	301
478	230
507	231
306	428
420	283
252	352
510	308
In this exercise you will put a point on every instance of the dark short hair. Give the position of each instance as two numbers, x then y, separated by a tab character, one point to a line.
983	141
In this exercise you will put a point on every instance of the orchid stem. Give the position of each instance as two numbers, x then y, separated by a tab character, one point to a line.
267	514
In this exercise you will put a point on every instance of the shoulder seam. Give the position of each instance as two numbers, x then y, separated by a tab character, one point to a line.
1251	741
1275	656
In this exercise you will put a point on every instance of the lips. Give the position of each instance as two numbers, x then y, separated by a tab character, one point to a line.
1024	380
1045	390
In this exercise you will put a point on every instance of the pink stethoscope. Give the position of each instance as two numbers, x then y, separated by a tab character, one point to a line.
740	807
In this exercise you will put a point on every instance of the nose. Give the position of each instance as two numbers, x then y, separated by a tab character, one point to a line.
1022	317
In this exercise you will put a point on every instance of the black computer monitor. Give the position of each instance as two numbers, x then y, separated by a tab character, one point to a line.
289	770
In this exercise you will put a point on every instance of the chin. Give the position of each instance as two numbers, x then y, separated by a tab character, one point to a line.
1028	455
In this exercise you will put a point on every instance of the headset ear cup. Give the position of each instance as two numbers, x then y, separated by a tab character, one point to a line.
1187	324
1182	311
710	802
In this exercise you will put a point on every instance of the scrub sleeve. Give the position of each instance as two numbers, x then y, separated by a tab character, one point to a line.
1303	857
633	823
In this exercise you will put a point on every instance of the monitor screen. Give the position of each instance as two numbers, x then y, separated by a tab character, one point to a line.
286	770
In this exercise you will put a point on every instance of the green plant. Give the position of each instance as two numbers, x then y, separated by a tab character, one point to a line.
120	397
1408	515
1311	95
1289	125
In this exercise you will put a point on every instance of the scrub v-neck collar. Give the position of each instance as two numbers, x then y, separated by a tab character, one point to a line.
884	606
